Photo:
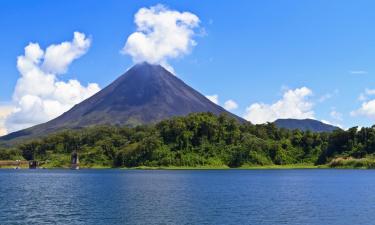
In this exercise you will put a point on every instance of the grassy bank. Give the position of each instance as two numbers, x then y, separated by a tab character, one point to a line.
54	165
352	163
337	163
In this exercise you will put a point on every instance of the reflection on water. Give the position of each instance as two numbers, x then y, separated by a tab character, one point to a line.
187	197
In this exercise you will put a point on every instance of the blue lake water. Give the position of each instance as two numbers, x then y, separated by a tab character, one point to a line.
321	197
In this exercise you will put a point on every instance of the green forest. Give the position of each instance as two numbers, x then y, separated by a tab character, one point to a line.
199	140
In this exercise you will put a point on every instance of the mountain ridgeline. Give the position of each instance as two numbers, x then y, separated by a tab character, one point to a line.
145	94
305	125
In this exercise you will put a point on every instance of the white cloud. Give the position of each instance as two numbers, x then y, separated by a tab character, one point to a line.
213	98
326	122
370	91
358	72
58	57
367	109
161	34
325	97
295	104
367	93
39	95
5	111
230	105
336	115
362	97
328	96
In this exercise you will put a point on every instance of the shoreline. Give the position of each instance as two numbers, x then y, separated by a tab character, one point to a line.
269	167
204	167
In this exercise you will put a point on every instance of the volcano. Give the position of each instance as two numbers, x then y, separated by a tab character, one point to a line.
145	94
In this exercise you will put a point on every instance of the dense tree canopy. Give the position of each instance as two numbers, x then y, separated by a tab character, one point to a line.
195	140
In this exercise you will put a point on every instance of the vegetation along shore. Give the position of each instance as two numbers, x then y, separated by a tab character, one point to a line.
200	141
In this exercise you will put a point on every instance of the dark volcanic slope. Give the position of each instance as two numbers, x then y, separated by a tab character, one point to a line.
306	124
144	94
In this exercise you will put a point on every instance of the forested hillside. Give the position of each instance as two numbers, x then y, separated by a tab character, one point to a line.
201	139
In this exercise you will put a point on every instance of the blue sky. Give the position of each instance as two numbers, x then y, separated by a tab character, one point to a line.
247	51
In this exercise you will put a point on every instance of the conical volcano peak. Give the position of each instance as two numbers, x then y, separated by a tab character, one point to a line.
145	94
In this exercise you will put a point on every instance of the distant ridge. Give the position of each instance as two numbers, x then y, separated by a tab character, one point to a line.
305	124
144	94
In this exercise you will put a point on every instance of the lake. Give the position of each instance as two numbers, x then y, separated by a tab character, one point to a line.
187	197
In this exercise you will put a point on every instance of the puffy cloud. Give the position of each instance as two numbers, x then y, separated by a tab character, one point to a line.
366	94
5	111
39	95
336	115
161	34
58	57
213	98
367	109
294	104
230	105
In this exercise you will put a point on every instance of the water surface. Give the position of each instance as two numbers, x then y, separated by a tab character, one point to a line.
336	197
